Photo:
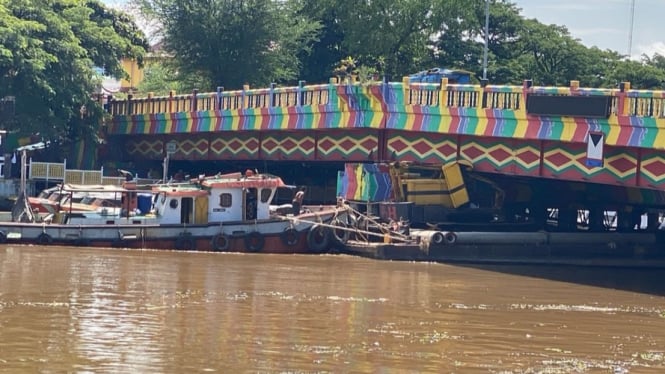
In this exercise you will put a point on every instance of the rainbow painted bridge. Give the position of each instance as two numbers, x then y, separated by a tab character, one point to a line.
594	137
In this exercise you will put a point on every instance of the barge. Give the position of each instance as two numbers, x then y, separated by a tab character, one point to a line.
452	223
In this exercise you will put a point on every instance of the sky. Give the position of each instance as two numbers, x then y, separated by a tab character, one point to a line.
601	23
605	23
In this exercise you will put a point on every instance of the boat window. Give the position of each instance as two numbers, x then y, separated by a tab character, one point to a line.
173	203
265	195
225	200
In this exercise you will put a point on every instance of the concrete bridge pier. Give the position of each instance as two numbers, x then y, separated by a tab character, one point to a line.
652	221
629	220
597	219
567	219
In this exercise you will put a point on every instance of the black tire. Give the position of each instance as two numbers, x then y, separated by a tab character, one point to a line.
340	234
318	239
3	237
290	237
221	242
44	238
185	242
254	241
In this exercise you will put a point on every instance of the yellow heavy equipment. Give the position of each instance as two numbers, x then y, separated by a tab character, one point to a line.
441	185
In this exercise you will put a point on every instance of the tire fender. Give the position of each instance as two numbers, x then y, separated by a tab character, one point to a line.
44	238
254	241
185	242
220	242
290	237
318	238
341	235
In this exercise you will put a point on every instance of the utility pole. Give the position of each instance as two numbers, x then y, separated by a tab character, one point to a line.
630	28
487	31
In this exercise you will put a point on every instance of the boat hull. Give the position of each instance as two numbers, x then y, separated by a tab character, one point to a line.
274	235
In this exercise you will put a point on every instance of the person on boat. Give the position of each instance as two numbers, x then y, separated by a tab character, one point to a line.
296	203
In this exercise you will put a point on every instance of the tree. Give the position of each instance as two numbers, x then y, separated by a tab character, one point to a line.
230	43
48	52
639	74
161	77
327	51
397	32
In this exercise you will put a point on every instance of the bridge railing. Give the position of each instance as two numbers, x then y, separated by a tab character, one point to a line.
622	101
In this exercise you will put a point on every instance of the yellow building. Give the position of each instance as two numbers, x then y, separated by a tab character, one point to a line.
135	74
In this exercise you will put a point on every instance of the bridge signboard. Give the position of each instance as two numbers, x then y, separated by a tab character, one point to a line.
171	147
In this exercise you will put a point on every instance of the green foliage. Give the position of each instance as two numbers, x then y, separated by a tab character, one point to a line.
161	77
48	51
230	43
262	41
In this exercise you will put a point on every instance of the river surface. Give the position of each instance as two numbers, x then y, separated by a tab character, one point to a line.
80	310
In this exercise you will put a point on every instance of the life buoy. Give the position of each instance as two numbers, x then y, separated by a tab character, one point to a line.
185	242
340	233
220	242
451	238
3	237
254	241
318	238
290	237
44	238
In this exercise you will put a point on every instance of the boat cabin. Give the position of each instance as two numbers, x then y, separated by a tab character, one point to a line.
223	198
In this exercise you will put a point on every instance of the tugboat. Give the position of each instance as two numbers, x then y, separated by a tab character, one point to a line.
230	212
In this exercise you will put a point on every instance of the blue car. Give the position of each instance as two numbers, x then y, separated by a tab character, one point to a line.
436	74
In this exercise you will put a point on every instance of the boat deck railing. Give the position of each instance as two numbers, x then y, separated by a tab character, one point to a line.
58	172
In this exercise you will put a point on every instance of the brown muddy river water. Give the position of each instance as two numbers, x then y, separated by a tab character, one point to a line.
78	310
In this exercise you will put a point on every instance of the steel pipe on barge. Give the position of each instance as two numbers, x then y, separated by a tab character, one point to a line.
429	236
532	238
496	238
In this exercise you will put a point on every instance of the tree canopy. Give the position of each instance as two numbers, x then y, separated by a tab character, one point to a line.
230	43
49	50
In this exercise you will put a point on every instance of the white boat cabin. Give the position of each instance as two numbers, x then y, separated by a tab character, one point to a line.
222	198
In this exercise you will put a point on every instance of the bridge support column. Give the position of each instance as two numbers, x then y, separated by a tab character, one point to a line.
628	220
597	219
652	221
567	219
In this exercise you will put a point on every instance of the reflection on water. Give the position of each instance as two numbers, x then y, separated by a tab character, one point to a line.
86	310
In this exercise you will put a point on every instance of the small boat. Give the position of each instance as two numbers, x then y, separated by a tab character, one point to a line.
230	212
